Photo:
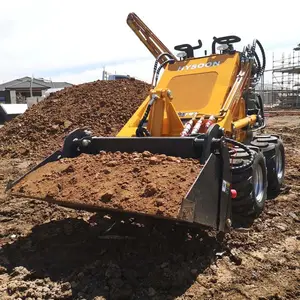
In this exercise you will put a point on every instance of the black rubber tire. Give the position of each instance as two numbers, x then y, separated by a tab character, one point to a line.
272	147
247	204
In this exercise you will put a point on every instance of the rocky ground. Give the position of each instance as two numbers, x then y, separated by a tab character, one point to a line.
51	252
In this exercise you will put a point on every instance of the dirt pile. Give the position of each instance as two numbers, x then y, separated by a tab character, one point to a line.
137	182
101	106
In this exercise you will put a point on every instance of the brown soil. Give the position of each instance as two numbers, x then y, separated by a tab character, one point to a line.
138	182
52	252
275	113
101	106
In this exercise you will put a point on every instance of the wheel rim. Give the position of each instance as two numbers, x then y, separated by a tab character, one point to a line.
259	183
279	165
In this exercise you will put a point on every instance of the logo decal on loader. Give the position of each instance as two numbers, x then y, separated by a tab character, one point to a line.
200	66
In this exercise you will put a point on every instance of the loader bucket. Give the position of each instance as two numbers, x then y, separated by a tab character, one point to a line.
206	203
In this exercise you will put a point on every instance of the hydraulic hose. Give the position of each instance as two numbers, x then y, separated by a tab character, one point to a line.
263	55
156	63
161	66
261	107
260	64
244	147
141	131
262	113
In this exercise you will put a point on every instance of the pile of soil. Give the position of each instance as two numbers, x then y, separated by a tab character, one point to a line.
134	182
103	107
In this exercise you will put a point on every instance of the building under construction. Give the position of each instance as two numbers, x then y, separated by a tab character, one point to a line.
285	90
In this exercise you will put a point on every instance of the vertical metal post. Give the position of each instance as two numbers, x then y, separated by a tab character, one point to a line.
272	92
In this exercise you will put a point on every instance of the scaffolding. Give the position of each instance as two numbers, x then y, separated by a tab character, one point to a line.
286	80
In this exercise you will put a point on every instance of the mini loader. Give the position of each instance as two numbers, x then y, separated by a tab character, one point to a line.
205	108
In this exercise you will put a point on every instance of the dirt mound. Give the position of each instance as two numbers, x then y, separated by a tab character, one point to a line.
138	182
101	106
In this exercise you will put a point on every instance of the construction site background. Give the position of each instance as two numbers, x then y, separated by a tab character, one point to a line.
284	89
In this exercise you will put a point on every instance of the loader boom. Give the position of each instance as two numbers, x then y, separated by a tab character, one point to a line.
147	37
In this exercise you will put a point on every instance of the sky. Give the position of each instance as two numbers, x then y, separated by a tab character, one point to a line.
72	41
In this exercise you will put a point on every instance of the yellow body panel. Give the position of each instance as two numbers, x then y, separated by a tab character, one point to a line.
202	86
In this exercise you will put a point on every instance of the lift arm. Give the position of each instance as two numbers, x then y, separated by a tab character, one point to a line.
147	37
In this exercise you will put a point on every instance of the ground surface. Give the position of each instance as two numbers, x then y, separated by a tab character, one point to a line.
50	252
